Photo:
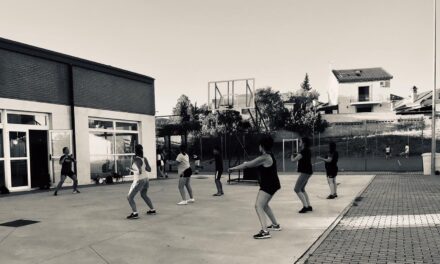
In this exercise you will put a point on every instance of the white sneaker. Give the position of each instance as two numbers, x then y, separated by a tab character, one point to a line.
192	200
182	203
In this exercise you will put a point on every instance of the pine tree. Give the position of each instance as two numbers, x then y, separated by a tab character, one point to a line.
305	85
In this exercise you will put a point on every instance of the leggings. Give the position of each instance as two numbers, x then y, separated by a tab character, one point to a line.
63	178
301	183
142	186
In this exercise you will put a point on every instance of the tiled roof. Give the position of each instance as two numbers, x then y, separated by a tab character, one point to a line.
362	75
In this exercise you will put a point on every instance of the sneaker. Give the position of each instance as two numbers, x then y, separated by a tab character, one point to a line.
262	235
76	191
217	194
303	210
182	202
331	196
133	216
151	212
335	195
192	200
274	227
309	209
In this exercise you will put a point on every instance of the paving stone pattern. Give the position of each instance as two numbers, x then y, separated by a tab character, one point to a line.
397	220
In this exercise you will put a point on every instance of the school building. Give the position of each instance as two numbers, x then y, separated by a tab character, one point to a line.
50	100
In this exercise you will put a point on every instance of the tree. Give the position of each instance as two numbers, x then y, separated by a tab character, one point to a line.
188	118
305	85
182	108
304	119
271	107
306	123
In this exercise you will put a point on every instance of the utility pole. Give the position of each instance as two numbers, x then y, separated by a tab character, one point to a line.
434	94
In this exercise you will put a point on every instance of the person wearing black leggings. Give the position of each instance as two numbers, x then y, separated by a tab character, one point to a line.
331	167
66	162
304	159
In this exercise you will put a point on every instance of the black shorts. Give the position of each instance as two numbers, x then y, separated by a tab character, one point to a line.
332	175
218	174
187	173
68	173
270	189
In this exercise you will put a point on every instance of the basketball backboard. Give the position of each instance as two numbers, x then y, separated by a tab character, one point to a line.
231	94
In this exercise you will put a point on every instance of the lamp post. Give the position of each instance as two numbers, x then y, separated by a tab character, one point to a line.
434	94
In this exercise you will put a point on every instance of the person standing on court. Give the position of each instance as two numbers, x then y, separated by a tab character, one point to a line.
184	172
331	167
387	152
304	159
139	168
67	161
160	164
218	171
269	185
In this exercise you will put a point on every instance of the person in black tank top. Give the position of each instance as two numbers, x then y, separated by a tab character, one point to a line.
269	185
304	159
66	162
331	167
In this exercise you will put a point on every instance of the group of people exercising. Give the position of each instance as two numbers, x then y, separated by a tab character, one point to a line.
265	163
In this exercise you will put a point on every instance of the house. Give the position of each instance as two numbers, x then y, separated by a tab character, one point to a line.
417	103
365	90
50	100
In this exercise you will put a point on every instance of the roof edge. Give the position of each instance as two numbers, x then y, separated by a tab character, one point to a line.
71	60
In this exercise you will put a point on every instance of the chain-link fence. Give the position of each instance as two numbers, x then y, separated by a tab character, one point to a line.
361	146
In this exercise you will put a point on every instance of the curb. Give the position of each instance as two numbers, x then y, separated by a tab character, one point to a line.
309	252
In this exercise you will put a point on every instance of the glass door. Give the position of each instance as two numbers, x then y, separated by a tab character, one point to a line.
58	139
19	157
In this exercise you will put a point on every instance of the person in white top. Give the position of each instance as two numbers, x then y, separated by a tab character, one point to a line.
139	168
184	171
405	153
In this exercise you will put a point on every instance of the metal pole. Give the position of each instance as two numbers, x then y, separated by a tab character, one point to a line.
434	96
284	165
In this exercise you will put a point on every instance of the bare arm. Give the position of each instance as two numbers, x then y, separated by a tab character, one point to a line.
251	164
328	160
295	159
147	165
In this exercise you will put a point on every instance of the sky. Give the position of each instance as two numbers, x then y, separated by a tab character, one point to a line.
184	44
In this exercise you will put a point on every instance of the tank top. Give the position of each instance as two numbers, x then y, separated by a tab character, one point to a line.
139	173
269	176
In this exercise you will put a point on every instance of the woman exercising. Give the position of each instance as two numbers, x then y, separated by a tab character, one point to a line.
304	159
269	185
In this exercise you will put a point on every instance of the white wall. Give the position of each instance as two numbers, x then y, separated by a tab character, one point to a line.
59	114
349	92
147	137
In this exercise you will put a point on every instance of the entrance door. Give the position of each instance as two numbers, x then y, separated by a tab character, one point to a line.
58	140
39	158
19	156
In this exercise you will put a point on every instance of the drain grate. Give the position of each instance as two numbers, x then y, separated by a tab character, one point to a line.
19	223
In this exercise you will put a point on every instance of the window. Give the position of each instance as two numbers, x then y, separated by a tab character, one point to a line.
111	146
385	84
100	124
364	93
28	119
364	109
2	161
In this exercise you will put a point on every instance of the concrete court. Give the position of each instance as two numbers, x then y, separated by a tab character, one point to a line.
91	227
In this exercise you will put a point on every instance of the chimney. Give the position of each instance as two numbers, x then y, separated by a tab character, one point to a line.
414	94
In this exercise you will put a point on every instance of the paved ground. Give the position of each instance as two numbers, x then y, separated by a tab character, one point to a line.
91	227
397	221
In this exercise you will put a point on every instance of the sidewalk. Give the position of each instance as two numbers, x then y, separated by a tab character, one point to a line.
91	227
396	220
